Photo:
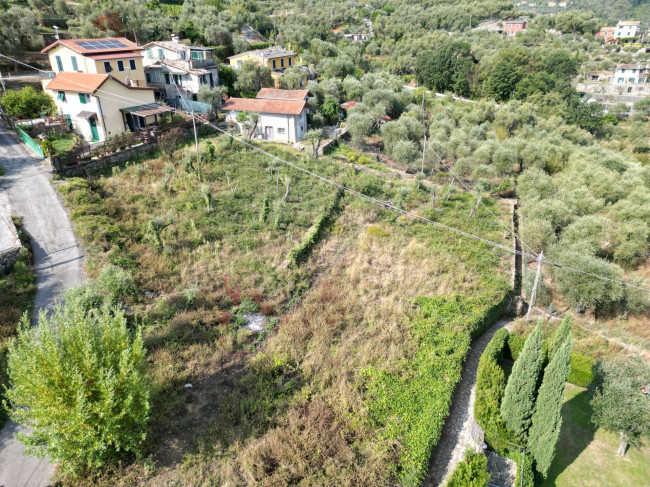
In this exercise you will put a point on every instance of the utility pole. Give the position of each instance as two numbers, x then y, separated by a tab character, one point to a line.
2	81
424	130
196	141
533	293
470	20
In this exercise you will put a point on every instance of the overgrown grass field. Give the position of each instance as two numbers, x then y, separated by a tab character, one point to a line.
351	379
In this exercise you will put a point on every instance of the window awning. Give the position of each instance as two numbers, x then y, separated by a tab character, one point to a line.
146	110
86	114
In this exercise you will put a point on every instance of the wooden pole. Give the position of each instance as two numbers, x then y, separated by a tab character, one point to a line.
533	294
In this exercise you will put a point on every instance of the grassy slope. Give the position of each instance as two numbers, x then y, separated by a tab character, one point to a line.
301	402
586	456
17	290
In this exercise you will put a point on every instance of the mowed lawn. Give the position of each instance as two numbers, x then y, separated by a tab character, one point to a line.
587	457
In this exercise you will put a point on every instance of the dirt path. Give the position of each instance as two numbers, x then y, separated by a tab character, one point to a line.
455	437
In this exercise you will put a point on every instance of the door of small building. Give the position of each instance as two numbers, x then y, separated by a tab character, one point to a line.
268	132
93	128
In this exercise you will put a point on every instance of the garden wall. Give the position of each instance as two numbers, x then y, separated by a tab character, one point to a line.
110	160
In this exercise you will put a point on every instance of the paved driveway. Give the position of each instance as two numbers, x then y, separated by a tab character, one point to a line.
58	263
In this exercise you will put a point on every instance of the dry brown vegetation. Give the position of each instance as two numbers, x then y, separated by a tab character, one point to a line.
290	404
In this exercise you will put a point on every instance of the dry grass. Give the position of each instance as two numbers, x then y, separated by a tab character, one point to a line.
288	405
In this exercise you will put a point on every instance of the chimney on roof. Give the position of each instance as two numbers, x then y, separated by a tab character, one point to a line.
175	38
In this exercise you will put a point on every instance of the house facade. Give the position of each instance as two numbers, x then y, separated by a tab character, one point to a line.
631	74
280	119
116	56
98	106
177	70
606	32
511	27
627	28
276	58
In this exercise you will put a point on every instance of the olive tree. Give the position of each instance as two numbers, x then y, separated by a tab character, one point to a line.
619	404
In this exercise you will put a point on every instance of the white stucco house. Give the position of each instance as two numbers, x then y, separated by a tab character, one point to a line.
631	74
98	106
280	119
627	29
178	71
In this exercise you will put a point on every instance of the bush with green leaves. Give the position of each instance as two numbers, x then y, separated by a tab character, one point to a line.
27	103
471	472
77	381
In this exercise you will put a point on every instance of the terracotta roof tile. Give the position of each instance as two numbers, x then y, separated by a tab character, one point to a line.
84	82
277	94
80	82
280	107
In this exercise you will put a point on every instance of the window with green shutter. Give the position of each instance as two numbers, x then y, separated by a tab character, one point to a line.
59	63
61	95
83	98
74	64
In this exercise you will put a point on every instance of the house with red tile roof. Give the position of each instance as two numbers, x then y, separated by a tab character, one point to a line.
116	56
282	114
98	105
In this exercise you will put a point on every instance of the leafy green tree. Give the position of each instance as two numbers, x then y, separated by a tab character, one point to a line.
315	136
471	472
27	103
446	69
619	404
77	380
519	397
500	83
330	108
217	35
212	96
547	418
582	291
253	77
360	125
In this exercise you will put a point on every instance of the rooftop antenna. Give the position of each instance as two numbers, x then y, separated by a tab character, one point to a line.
56	32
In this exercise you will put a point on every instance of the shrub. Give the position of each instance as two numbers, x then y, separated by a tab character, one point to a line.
300	252
471	472
77	380
114	282
27	103
581	373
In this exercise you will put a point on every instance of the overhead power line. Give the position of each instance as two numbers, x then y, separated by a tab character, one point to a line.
383	204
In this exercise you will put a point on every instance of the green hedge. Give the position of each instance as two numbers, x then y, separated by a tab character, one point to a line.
410	405
582	367
471	472
301	251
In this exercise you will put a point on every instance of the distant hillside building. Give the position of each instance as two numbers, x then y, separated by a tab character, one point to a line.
627	28
511	27
276	58
606	32
631	74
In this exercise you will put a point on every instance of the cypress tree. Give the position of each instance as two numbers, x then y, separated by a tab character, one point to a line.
561	335
519	397
547	418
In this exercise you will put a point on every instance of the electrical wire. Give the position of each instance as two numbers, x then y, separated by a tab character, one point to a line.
383	204
469	190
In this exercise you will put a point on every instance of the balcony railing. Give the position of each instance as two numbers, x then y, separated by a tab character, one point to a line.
202	63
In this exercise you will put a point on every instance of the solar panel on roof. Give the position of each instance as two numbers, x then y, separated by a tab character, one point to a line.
98	45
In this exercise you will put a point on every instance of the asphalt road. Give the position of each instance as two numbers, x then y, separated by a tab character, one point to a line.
58	262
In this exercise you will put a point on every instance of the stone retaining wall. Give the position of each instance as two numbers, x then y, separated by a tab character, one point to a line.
110	160
9	241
